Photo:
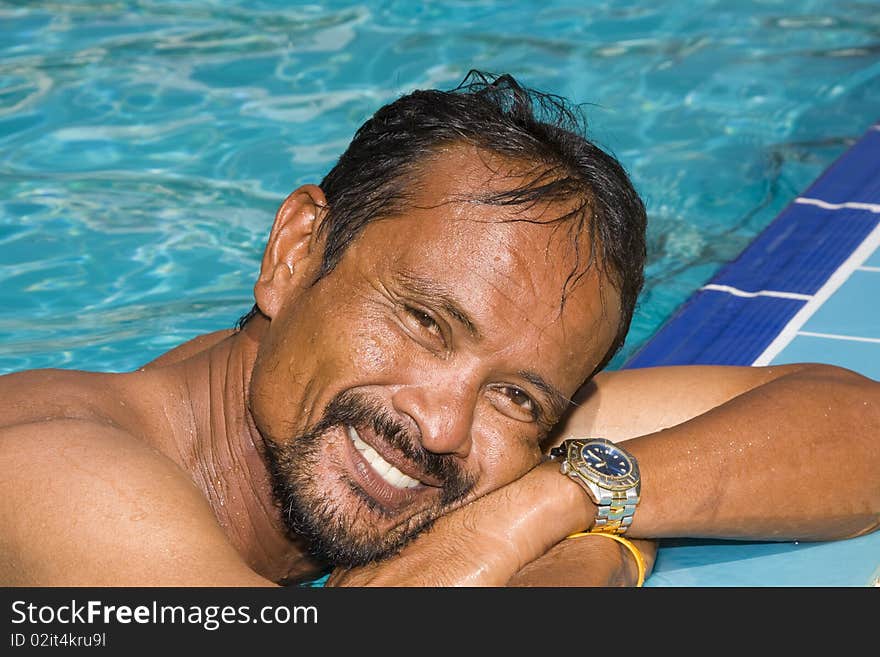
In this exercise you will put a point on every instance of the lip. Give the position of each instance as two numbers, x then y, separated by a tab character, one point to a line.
394	457
390	498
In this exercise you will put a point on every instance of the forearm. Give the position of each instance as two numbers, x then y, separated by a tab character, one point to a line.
514	536
795	458
486	542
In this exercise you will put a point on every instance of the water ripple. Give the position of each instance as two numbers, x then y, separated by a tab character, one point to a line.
145	145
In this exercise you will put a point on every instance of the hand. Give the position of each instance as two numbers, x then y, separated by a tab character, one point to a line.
586	561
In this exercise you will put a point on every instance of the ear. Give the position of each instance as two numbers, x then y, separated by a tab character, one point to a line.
291	255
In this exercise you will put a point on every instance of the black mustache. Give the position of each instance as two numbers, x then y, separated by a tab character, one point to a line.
356	409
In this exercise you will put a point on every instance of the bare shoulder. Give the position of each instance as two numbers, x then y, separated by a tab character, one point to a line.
190	348
48	394
85	503
140	403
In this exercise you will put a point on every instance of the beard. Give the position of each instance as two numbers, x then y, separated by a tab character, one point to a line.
333	536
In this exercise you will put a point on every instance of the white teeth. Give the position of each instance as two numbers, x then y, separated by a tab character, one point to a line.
382	467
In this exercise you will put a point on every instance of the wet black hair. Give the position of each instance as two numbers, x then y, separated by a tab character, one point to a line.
374	177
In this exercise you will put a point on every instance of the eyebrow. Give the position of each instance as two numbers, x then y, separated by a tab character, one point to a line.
558	402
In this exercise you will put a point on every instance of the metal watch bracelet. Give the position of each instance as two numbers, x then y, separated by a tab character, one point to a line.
615	511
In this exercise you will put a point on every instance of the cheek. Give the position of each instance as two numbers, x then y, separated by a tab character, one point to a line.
376	351
355	336
305	364
505	457
368	352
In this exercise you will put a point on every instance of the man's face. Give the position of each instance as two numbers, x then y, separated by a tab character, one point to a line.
424	370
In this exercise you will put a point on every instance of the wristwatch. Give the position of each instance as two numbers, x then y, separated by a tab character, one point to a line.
608	473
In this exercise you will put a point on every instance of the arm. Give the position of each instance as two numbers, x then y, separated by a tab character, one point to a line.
725	452
85	504
487	541
509	537
781	453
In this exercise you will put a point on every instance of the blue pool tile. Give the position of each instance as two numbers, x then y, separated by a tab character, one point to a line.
799	250
862	357
718	328
853	177
853	309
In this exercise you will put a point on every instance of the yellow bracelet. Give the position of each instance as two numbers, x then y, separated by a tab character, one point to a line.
640	560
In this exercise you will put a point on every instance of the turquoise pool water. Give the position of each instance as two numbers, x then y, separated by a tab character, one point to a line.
144	146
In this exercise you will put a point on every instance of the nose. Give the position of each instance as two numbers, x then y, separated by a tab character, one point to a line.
444	414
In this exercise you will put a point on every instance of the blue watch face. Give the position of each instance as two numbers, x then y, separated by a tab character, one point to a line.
606	460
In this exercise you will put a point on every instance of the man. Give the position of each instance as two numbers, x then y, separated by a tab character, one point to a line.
429	321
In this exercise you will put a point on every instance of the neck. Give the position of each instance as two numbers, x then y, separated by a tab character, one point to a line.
226	454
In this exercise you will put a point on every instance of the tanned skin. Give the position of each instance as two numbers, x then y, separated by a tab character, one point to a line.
448	316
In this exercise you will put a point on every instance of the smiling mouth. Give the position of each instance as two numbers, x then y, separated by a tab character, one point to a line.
387	472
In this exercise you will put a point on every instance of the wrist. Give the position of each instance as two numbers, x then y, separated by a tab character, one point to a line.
569	508
627	576
591	561
540	510
608	474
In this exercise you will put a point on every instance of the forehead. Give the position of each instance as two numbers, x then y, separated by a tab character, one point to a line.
506	265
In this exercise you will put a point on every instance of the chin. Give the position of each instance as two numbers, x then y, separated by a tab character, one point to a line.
345	500
340	523
347	528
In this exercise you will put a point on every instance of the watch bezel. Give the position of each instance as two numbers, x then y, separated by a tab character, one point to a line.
610	482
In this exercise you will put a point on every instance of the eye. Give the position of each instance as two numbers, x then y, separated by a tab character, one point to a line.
519	398
424	319
517	403
422	327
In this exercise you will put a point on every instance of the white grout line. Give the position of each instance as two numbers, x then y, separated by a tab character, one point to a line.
855	259
850	205
866	268
760	293
836	336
